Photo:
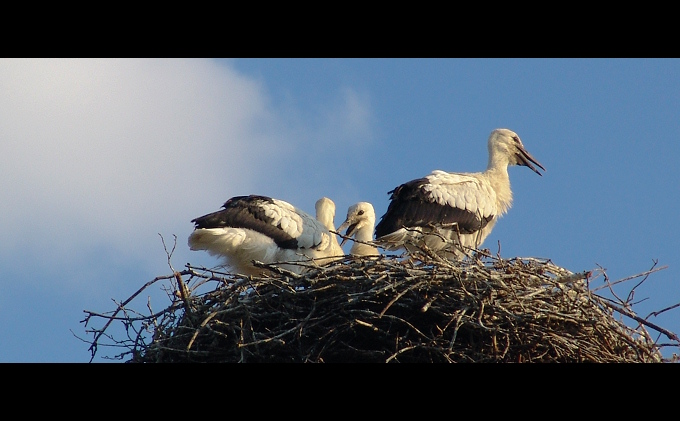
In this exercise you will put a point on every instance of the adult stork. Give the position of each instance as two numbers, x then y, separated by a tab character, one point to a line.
453	212
359	223
268	230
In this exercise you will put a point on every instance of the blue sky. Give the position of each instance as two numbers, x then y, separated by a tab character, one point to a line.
103	155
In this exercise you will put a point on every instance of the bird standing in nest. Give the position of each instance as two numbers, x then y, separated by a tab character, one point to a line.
449	212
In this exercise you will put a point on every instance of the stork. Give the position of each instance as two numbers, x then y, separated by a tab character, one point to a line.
325	213
453	212
268	230
359	223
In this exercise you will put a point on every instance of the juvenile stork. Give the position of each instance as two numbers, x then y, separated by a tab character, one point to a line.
325	213
268	230
359	223
452	212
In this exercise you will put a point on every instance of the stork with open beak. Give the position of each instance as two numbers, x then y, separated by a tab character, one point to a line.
452	213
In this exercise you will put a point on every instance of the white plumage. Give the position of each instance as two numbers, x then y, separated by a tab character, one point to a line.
359	223
325	213
452	212
268	230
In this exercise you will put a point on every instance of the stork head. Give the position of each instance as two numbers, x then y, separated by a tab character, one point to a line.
325	212
358	216
506	146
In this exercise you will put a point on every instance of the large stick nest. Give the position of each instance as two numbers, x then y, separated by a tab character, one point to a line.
416	308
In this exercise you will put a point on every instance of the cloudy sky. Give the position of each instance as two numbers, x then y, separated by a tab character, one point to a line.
104	158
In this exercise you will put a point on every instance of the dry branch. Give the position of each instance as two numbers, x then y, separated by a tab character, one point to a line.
413	308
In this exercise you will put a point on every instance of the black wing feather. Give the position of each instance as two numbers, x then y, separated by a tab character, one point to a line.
412	206
247	212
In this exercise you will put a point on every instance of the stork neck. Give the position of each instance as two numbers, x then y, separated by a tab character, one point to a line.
497	161
326	218
500	182
498	172
364	234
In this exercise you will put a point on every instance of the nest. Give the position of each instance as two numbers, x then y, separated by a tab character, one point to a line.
413	308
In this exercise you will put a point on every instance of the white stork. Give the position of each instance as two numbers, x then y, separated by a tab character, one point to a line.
359	224
325	213
267	230
452	212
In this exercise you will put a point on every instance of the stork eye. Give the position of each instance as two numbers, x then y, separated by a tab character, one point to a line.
361	212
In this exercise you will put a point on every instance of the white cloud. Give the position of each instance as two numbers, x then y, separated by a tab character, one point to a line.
327	148
107	153
353	118
107	147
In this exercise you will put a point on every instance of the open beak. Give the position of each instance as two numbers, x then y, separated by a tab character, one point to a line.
350	230
526	159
